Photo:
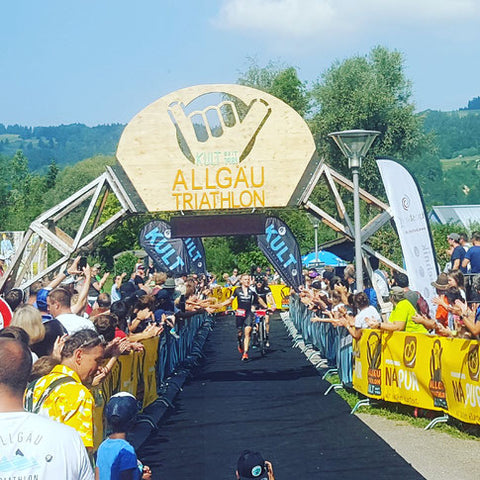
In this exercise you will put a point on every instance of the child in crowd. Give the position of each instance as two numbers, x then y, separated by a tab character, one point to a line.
116	458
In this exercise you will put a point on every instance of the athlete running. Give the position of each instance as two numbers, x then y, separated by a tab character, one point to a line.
246	300
264	293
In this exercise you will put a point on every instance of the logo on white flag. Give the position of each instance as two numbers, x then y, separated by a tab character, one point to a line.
405	202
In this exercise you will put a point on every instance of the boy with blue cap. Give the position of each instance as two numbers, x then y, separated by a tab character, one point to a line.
116	458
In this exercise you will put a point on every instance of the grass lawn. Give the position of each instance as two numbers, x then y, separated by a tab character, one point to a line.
448	163
405	413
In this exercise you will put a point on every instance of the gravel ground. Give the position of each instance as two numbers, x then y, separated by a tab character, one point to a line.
435	455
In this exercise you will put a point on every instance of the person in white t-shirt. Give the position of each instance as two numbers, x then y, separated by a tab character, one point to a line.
365	312
58	303
33	446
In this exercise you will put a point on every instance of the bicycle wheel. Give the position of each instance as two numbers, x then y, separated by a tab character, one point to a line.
262	340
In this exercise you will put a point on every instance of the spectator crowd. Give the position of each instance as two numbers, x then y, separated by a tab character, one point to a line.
388	303
58	348
66	334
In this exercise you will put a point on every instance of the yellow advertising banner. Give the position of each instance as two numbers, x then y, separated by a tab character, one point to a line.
222	294
419	370
413	370
281	296
280	293
367	364
148	370
460	372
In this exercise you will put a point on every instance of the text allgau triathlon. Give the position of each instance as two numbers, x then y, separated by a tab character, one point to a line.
218	188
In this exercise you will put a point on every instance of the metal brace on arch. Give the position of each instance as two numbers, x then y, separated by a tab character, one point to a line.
343	223
74	226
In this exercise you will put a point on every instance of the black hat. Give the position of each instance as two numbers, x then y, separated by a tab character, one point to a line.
252	465
328	275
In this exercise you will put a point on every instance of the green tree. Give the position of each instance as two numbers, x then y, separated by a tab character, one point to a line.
17	200
368	92
280	81
52	173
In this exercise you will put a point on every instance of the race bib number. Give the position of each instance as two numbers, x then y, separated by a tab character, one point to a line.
240	312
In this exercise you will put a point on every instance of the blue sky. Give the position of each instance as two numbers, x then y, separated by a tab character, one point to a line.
103	61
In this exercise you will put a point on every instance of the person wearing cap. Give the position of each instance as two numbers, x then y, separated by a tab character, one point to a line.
441	286
312	273
401	317
457	252
414	297
167	295
253	465
139	278
116	457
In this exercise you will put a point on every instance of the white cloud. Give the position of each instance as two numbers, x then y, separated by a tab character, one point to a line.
297	19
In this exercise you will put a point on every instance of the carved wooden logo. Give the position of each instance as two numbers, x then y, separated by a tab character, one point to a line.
217	147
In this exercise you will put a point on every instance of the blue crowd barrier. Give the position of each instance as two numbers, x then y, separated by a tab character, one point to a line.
333	343
173	351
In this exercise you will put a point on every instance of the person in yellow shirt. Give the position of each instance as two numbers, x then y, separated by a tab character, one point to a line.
62	394
401	317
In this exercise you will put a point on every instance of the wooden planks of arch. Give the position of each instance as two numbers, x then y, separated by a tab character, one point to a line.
88	228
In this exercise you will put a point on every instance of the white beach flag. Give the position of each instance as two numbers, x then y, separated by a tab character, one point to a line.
411	221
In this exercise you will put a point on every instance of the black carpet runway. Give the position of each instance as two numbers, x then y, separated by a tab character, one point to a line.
274	405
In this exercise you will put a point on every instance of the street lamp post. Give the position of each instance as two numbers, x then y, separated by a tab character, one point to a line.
354	144
316	243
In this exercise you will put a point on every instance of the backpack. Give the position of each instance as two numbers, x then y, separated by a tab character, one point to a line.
422	306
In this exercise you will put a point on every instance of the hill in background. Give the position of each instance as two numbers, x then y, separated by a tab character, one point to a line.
449	173
457	133
65	144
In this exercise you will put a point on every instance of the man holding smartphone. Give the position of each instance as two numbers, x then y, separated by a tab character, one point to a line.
253	465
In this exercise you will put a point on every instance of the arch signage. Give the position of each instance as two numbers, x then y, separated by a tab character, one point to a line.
212	147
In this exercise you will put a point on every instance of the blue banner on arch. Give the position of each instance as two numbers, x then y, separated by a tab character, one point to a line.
178	256
168	255
281	248
196	254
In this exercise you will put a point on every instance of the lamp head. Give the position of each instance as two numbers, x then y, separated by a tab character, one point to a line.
354	144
